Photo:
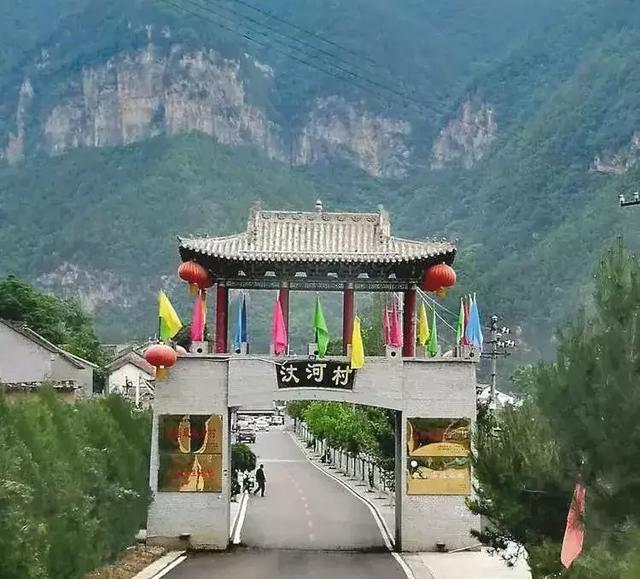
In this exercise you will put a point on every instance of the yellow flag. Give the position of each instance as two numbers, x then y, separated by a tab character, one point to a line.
170	323
357	349
423	325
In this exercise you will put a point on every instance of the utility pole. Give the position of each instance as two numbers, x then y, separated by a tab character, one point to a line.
634	201
498	349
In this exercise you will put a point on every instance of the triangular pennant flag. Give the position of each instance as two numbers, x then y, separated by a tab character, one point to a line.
197	320
423	325
320	329
357	347
278	330
432	345
473	329
240	335
395	336
465	335
574	531
460	325
386	326
170	323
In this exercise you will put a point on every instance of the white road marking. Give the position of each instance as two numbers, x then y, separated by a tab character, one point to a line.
242	514
310	524
387	537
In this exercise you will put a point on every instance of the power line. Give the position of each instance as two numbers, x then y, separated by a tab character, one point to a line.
331	55
355	76
303	30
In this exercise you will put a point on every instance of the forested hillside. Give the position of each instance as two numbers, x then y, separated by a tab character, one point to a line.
512	126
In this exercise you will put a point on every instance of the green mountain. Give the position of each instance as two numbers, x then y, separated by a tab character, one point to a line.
511	126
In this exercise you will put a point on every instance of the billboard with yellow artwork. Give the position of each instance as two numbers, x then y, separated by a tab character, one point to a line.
438	456
190	453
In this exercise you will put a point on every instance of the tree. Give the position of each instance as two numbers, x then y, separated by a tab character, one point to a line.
62	322
579	419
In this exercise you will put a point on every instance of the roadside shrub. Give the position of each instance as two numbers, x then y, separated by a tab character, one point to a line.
73	483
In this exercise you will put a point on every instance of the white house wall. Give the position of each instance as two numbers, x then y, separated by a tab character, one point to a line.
118	378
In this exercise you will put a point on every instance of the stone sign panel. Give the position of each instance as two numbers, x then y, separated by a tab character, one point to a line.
315	374
438	456
190	453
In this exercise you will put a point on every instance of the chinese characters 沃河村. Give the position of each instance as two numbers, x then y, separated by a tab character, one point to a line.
288	374
341	375
316	371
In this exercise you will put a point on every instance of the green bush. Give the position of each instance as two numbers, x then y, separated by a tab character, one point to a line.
73	483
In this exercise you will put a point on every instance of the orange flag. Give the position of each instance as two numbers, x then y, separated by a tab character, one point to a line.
574	532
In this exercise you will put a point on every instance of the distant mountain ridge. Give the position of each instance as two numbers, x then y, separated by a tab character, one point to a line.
518	131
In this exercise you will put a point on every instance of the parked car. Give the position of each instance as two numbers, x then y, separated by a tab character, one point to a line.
262	424
277	420
246	435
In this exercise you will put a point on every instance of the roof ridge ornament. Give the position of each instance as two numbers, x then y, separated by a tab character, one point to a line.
319	208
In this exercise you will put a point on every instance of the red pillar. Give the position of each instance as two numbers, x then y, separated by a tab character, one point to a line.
283	296
409	324
222	315
347	318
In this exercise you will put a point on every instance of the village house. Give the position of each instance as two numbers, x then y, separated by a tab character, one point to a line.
130	375
27	361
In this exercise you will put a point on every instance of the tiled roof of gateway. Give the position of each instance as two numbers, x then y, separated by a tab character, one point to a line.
316	236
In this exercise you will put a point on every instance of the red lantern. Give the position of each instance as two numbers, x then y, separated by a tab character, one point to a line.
162	357
195	275
438	277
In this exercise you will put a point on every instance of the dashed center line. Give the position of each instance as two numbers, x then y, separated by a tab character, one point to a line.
310	524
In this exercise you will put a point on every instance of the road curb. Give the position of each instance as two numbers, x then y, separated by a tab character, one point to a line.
236	528
162	566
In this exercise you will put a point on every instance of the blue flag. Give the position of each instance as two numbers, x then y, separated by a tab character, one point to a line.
240	334
474	327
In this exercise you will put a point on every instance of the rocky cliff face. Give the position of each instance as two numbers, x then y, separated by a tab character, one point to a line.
93	288
335	128
139	95
466	138
621	161
14	151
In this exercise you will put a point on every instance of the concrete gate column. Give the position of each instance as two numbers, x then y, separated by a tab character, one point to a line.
196	387
433	389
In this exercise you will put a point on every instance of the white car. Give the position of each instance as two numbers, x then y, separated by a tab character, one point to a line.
262	425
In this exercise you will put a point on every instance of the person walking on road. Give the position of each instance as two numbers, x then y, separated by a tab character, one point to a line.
260	479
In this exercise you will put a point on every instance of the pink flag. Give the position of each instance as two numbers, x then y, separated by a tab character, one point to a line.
574	532
197	321
467	307
385	325
395	335
278	330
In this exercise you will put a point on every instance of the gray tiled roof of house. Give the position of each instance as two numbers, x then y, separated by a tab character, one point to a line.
316	236
60	385
131	356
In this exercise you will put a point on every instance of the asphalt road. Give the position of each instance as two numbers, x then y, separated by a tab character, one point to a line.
306	526
302	507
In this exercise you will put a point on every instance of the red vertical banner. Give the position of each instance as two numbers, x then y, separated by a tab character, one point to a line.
222	314
409	324
283	297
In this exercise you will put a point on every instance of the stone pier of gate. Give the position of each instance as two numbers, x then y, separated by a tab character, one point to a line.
439	388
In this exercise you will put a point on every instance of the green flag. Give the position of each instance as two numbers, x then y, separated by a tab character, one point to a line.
432	344
460	326
320	329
